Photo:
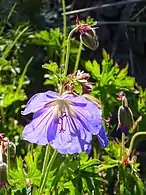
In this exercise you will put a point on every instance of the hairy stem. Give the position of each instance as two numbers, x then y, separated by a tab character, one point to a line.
46	159
68	50
47	171
64	32
133	140
123	146
8	157
78	57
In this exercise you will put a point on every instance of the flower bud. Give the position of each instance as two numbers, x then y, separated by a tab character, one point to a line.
87	35
90	39
3	174
125	119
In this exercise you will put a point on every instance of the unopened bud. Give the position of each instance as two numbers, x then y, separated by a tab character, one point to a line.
90	39
3	174
87	35
125	119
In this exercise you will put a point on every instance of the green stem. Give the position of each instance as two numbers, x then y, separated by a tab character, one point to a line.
94	152
22	77
8	157
68	50
64	32
46	159
58	175
133	140
47	171
121	181
2	115
78	57
123	145
125	102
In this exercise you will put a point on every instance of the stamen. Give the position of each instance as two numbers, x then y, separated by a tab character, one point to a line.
61	122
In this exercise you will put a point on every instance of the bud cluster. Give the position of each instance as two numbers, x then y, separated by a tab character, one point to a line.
81	78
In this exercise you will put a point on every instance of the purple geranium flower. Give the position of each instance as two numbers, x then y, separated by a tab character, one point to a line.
64	121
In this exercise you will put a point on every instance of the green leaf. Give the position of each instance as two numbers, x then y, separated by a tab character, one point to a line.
52	67
139	183
103	167
10	96
105	55
73	189
89	163
21	79
43	35
35	191
45	38
72	166
97	68
11	45
83	157
33	173
109	80
88	185
52	79
59	174
113	151
94	68
16	176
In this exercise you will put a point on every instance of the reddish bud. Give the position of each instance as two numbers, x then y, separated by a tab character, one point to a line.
87	35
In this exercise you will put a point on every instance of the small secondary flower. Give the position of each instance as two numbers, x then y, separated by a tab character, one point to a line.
64	121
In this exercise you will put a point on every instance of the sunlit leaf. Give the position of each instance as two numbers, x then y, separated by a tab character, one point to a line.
52	66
